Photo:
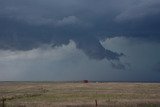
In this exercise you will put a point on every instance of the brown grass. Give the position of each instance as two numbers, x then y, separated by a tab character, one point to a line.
50	94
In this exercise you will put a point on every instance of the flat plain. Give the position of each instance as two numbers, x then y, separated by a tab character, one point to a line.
79	94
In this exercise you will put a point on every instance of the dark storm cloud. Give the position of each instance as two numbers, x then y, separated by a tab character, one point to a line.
156	67
118	66
28	24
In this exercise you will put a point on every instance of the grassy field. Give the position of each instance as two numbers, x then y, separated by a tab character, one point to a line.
52	94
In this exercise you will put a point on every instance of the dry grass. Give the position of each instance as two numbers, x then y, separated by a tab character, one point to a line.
50	94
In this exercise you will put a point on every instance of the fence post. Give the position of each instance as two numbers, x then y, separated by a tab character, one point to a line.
3	101
96	103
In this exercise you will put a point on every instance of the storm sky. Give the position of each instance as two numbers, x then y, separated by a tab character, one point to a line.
105	40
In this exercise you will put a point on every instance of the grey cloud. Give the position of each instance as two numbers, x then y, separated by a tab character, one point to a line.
140	55
22	36
69	63
156	67
92	47
118	66
68	20
138	11
28	24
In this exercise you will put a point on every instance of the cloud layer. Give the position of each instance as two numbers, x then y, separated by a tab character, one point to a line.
69	63
28	24
79	38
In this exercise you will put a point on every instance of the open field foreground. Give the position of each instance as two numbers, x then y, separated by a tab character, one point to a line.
50	94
